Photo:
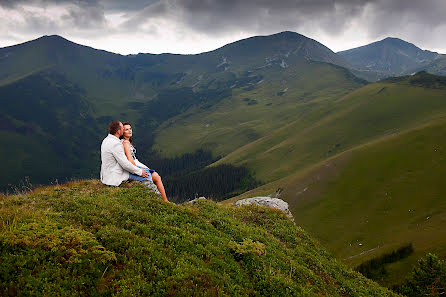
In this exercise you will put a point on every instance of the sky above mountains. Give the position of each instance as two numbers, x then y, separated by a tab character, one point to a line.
194	26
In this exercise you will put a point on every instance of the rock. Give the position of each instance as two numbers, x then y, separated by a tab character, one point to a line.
151	186
195	200
269	202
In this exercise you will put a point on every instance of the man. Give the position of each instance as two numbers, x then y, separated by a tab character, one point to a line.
115	167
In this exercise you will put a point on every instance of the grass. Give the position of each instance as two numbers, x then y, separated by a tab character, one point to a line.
366	114
311	88
84	238
375	198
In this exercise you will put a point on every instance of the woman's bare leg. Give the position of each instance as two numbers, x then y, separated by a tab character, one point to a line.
159	184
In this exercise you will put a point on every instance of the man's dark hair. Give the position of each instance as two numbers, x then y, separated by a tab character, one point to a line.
113	127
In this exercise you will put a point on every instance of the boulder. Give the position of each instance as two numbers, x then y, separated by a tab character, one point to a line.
195	200
151	186
268	202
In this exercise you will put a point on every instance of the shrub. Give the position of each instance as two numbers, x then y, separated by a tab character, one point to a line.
428	278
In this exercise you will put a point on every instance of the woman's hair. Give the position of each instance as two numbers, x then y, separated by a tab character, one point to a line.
113	127
122	136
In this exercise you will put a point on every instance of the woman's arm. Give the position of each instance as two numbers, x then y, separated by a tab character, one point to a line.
127	152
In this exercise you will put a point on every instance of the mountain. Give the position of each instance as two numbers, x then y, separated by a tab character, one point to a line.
388	57
93	87
367	178
277	48
84	238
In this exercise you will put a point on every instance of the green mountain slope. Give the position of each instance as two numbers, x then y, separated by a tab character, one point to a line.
47	130
282	97
375	198
371	112
385	191
95	87
85	238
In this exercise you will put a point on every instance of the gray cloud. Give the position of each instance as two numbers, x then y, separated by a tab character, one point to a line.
85	17
417	21
217	17
397	15
44	3
74	16
126	6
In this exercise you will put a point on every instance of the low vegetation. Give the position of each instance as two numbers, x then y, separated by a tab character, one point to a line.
84	238
375	268
428	278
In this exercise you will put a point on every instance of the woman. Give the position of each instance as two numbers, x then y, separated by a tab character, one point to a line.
130	152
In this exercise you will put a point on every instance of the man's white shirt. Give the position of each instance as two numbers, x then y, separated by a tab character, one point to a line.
115	166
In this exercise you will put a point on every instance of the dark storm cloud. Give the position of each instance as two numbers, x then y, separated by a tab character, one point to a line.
219	17
77	15
374	17
85	17
400	14
126	6
43	3
421	22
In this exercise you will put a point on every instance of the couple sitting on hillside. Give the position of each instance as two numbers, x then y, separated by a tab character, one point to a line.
119	162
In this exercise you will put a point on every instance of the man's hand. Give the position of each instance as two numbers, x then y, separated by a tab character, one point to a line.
144	173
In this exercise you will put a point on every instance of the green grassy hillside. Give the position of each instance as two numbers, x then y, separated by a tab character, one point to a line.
302	92
376	198
374	111
84	238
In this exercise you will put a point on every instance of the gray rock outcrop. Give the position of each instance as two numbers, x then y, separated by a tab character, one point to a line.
269	202
151	186
195	200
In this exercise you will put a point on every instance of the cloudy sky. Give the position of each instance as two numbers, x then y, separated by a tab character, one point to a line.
194	26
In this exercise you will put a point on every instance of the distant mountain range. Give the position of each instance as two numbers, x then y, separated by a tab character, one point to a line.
58	96
54	90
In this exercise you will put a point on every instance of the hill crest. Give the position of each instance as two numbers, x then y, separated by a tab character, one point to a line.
86	238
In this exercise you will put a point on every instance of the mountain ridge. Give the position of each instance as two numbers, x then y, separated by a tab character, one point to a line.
150	90
389	57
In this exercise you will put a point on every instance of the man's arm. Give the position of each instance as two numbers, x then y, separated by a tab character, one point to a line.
118	153
139	164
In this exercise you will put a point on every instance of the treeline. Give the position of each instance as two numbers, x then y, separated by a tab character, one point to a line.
428	278
181	165
186	177
375	268
217	183
49	122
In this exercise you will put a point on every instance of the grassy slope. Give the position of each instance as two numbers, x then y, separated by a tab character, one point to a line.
371	112
87	238
309	88
321	195
383	194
